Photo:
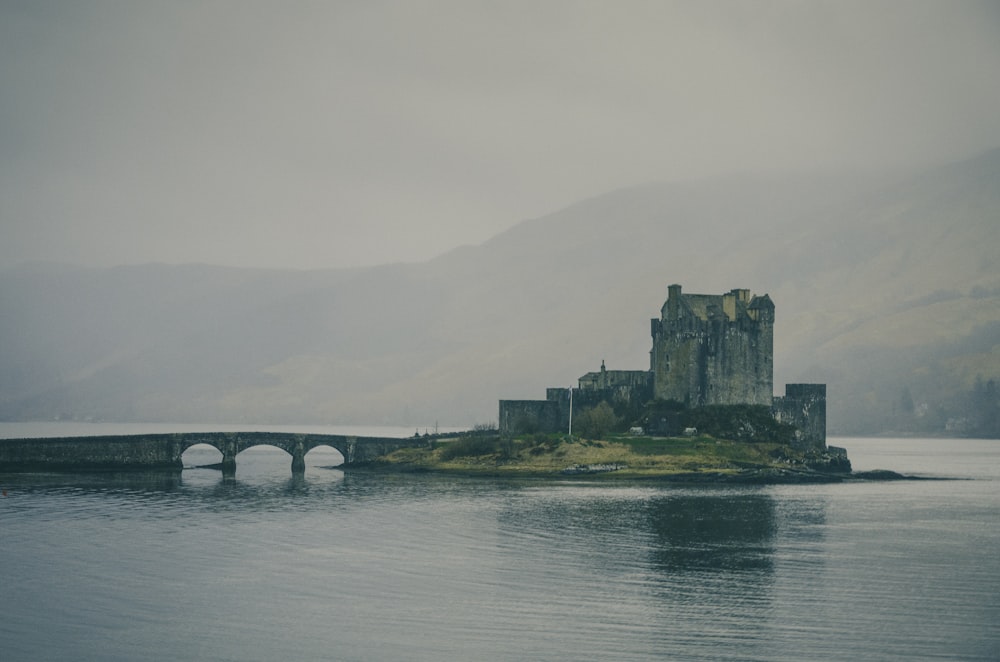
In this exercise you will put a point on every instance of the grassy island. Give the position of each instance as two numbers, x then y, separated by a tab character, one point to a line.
700	458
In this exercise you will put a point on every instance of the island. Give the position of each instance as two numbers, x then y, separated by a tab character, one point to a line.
698	458
736	444
703	411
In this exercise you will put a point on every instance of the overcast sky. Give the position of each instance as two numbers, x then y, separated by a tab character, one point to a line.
333	134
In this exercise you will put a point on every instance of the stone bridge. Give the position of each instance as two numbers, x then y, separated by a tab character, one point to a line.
163	451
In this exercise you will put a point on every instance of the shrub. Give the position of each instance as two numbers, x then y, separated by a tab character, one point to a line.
739	423
470	446
597	421
538	443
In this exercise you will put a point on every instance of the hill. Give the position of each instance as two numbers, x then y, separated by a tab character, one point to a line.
886	289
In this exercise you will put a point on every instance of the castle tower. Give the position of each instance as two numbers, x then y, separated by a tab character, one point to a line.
714	349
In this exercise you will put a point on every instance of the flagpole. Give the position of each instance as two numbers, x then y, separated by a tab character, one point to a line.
571	411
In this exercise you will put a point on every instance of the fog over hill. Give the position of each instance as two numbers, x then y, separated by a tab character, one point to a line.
887	289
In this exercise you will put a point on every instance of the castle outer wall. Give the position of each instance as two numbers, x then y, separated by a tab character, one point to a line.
527	416
804	406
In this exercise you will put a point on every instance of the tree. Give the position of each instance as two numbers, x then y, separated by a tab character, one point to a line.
597	421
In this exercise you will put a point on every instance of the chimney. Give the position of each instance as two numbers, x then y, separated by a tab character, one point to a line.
673	302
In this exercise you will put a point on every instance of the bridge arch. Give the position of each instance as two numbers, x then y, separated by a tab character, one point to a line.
327	452
231	444
201	454
263	457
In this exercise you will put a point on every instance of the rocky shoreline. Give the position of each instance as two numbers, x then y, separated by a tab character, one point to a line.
699	460
755	476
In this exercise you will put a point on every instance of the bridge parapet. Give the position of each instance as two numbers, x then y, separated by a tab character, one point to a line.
164	451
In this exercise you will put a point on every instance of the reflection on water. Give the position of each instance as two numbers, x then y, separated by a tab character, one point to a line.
690	563
262	481
715	531
683	529
265	565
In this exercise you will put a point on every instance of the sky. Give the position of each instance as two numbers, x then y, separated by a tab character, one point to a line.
331	134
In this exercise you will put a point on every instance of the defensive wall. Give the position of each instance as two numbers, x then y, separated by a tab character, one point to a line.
804	406
532	415
164	451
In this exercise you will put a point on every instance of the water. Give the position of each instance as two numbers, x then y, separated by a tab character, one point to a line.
350	566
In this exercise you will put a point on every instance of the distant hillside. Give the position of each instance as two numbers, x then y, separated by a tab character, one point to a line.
889	292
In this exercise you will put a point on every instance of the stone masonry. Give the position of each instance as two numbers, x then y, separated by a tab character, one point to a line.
713	349
708	349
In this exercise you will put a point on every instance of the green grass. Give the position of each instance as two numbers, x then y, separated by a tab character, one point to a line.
549	455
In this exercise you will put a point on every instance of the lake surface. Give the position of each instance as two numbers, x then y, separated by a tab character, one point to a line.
353	566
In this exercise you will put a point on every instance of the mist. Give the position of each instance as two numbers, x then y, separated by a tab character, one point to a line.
313	135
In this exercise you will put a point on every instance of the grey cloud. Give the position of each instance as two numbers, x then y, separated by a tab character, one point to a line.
334	134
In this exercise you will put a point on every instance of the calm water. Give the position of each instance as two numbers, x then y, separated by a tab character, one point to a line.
346	566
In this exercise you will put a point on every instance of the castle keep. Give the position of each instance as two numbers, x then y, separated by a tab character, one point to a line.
711	349
708	349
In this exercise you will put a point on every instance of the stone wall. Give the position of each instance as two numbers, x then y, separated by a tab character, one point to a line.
624	381
526	416
90	453
713	349
616	387
804	406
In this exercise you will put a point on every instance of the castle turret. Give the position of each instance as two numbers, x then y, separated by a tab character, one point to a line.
761	309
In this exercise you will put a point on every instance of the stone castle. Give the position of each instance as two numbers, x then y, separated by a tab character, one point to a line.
708	349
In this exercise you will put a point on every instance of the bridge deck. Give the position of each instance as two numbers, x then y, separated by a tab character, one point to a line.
163	451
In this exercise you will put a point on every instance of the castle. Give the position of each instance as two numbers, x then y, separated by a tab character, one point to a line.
708	349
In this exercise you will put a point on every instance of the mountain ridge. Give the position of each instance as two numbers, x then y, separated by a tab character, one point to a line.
848	262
